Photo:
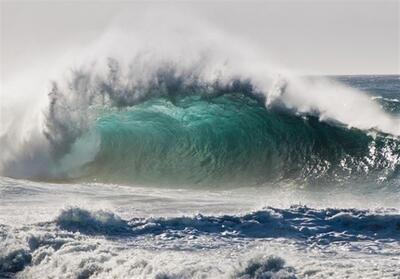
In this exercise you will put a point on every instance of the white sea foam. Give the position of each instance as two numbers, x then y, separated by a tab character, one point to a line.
72	230
98	244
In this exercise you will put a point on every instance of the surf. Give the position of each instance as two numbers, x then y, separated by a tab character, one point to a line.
137	112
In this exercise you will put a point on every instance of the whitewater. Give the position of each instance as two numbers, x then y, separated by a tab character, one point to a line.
191	154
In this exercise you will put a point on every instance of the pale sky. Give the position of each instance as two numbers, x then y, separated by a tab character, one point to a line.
325	37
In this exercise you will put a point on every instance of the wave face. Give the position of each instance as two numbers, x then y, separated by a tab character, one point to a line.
229	139
180	130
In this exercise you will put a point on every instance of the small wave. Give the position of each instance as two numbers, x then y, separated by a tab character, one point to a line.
324	225
91	222
271	267
14	254
14	261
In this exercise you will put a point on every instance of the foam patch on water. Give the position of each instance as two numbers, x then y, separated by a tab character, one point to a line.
289	243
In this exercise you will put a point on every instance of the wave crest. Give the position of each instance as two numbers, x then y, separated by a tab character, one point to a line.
99	86
98	222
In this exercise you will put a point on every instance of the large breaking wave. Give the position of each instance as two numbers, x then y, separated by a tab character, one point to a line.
226	139
165	114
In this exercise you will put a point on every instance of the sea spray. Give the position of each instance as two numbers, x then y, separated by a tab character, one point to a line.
126	72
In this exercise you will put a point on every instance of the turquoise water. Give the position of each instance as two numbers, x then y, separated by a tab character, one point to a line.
231	139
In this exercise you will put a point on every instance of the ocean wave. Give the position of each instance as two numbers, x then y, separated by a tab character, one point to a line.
98	222
14	261
204	121
271	267
230	139
297	222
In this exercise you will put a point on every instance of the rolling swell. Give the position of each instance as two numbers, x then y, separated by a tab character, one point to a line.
230	138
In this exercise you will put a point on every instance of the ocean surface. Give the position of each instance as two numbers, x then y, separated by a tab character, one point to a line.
176	175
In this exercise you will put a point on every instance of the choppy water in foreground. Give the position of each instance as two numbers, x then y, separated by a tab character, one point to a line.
107	231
